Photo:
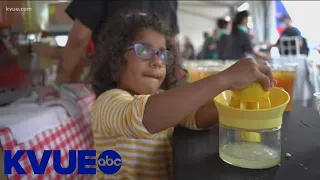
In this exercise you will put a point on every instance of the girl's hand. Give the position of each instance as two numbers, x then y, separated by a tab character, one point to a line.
245	71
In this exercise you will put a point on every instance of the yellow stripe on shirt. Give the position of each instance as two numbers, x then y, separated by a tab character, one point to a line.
117	125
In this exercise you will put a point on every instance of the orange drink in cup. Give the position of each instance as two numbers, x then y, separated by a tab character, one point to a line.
194	74
285	76
208	71
201	69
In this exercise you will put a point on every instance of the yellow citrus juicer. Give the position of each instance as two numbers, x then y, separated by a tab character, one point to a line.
251	97
250	126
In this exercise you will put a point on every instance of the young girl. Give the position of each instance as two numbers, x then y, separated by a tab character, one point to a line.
133	61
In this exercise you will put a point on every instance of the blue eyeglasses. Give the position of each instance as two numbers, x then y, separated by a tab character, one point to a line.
148	53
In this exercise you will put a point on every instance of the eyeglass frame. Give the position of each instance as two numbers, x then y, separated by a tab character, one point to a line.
156	52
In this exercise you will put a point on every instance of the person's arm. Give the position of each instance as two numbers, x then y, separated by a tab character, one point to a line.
142	116
247	47
270	45
47	50
169	108
119	113
202	118
116	112
86	16
73	51
212	46
260	54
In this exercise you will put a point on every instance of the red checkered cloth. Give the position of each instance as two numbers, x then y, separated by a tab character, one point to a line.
75	135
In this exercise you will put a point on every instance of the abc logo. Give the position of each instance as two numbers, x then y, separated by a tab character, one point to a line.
109	162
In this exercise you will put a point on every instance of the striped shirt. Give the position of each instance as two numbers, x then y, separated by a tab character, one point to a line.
117	125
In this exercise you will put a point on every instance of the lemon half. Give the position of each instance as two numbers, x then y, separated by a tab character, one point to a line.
254	92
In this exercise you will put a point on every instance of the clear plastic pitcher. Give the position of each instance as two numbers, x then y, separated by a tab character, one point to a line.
251	137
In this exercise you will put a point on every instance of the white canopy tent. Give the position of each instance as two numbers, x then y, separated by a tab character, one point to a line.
196	17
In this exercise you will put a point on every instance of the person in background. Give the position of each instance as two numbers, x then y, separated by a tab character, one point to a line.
205	36
138	106
89	17
291	31
209	47
221	37
188	52
239	44
222	28
201	53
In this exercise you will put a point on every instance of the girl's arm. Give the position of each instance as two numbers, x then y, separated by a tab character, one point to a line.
207	115
203	118
167	109
116	112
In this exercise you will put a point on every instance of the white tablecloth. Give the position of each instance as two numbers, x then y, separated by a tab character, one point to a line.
25	118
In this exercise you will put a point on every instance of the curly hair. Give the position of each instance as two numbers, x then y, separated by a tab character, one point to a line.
113	40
